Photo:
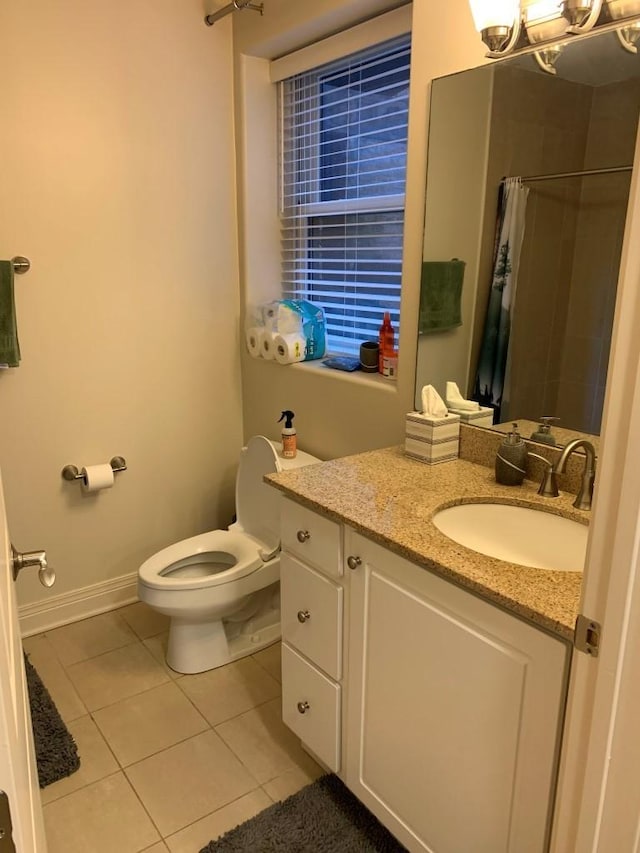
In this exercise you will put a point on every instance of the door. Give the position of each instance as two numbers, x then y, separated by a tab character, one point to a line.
18	774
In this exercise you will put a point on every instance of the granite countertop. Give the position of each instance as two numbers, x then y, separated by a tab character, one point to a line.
391	499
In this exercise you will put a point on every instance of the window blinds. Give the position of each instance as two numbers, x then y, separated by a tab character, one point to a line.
343	162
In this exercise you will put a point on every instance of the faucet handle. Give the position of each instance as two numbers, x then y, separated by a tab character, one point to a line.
549	484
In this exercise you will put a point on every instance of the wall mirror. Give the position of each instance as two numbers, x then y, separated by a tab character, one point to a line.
570	138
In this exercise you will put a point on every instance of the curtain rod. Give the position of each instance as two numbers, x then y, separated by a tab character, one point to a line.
606	171
231	7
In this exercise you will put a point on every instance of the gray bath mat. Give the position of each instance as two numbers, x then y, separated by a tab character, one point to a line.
324	817
56	751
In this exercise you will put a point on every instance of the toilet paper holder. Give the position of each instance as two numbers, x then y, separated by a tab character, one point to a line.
71	472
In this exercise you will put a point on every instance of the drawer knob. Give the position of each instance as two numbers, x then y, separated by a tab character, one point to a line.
303	707
354	562
303	616
303	535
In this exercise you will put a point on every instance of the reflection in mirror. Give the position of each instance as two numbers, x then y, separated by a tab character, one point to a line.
570	138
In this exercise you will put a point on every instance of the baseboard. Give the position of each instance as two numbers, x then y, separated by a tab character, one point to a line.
79	604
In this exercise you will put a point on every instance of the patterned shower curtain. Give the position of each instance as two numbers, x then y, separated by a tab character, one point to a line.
491	385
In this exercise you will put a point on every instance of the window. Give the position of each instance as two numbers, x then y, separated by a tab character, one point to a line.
343	164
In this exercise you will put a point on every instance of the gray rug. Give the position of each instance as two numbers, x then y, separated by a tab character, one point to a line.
56	751
324	817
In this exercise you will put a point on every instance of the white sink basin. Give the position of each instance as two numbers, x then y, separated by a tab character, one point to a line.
517	534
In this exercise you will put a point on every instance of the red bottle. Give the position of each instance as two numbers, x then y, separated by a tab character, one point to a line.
386	340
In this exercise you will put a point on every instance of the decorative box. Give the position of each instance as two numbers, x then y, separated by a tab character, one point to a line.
432	439
482	417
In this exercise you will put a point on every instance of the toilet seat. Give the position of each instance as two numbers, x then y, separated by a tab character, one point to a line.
256	530
156	572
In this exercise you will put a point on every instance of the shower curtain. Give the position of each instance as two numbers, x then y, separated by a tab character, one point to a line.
492	378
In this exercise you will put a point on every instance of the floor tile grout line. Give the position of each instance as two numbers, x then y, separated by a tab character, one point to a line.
167	680
145	809
87	619
239	714
215	811
228	745
203	817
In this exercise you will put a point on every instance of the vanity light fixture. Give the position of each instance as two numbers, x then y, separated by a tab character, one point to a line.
547	57
618	9
499	22
629	36
543	21
581	14
511	25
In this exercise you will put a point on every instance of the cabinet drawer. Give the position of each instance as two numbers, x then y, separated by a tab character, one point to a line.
312	537
311	707
311	615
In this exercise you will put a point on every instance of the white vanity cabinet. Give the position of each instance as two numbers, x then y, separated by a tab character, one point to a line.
452	707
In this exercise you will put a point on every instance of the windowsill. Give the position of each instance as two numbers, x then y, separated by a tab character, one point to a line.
359	377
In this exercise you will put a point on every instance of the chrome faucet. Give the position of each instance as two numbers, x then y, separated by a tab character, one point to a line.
549	484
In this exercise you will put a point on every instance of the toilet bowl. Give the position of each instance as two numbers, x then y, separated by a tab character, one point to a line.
221	589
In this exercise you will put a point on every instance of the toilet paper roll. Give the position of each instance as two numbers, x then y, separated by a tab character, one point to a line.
267	344
289	349
97	477
253	338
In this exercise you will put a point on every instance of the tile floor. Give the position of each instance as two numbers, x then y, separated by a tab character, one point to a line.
168	761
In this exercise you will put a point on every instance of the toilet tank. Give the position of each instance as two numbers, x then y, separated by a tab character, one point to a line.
257	505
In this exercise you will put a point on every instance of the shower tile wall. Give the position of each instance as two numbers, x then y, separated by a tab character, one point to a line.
568	274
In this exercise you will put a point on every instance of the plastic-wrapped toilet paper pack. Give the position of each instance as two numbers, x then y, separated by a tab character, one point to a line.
299	323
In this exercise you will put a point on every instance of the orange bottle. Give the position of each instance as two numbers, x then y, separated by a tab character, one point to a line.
386	340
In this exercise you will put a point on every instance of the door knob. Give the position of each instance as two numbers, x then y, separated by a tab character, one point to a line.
354	562
303	535
303	616
46	574
303	707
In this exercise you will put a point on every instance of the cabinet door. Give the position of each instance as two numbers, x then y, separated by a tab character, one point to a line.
454	711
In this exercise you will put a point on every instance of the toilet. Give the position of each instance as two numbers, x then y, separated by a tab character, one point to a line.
222	589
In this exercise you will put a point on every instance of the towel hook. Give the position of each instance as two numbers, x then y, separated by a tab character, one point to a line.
20	264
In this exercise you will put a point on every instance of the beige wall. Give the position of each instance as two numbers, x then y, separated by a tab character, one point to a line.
117	182
337	414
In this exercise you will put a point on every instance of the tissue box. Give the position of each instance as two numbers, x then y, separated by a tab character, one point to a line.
430	439
482	417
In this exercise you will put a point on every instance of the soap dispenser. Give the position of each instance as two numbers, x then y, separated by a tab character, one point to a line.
543	434
511	459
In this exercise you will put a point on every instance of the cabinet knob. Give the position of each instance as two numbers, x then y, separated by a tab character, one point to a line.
303	535
354	562
303	707
303	616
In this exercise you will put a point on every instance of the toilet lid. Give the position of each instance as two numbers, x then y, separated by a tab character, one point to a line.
257	507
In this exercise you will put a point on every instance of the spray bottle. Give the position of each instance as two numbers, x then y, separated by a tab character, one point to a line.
289	438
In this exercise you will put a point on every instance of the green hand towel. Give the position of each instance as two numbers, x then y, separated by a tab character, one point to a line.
440	293
9	346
